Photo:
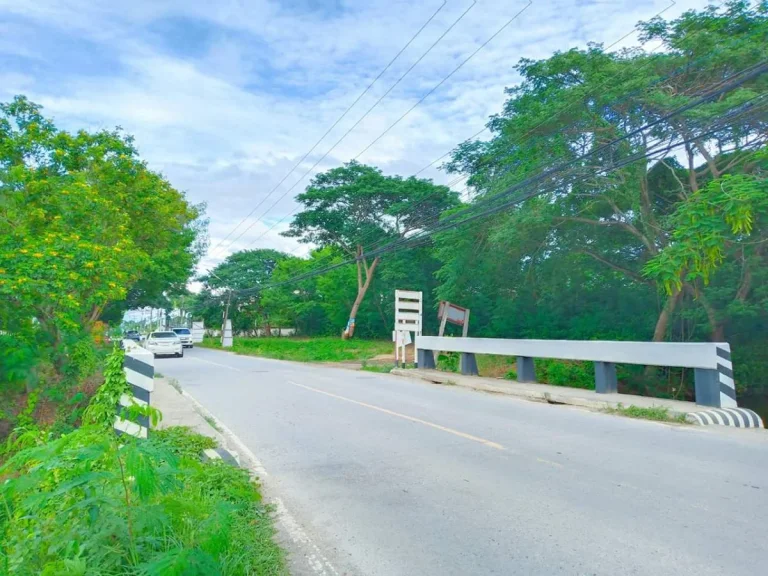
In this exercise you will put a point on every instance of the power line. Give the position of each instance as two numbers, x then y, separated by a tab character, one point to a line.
507	23
419	240
448	223
339	119
488	160
349	131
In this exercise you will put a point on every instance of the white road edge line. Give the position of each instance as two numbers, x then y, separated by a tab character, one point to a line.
316	560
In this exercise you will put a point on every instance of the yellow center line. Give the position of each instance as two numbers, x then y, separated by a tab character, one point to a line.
405	417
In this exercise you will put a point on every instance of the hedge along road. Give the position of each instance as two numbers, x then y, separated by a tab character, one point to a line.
390	476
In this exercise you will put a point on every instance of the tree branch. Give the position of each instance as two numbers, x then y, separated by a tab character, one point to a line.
683	193
626	226
626	271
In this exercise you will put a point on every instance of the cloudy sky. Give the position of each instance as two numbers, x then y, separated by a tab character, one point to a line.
225	97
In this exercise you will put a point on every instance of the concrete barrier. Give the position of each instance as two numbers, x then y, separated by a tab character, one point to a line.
139	366
713	371
739	417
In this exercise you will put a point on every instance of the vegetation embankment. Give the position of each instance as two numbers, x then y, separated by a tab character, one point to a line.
307	349
87	231
90	502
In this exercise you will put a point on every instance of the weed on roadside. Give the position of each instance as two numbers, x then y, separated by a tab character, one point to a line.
175	384
90	503
212	423
159	375
657	413
379	368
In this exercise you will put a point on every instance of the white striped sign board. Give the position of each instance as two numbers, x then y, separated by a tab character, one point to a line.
139	366
739	417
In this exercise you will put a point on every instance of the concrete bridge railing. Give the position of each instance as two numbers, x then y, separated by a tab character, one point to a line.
711	362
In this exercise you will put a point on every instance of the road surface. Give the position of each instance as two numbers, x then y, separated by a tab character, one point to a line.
390	476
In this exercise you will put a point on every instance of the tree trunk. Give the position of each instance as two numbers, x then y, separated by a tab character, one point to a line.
660	332
362	288
716	329
662	323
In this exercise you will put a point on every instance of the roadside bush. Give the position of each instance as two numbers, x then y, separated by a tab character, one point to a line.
90	503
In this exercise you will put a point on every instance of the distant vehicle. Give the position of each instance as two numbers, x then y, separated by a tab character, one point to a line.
185	335
164	344
132	335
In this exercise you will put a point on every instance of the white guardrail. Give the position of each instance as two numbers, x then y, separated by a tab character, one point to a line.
713	371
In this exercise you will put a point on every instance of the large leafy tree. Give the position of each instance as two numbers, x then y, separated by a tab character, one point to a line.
356	208
83	224
574	103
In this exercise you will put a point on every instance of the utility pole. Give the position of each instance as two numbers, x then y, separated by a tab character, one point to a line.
226	315
226	308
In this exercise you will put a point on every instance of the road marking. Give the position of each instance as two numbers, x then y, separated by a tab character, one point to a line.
549	462
217	364
404	417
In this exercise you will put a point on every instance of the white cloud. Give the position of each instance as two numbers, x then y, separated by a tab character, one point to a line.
229	101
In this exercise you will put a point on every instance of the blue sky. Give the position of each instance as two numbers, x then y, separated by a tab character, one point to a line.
225	96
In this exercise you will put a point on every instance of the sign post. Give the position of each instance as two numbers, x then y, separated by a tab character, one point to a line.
408	311
454	314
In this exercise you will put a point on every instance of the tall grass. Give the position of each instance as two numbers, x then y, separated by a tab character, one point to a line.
92	503
308	349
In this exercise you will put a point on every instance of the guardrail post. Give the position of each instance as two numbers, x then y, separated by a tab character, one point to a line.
715	387
605	378
468	364
426	359
139	367
526	372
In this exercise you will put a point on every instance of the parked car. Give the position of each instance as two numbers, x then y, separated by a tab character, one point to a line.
164	344
185	336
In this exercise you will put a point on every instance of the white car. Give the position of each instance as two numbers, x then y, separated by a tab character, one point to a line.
185	336
164	344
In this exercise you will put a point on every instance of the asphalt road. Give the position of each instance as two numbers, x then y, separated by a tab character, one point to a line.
391	476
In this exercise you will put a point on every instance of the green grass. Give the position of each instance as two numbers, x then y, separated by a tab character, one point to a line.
657	413
92	503
307	349
379	368
159	375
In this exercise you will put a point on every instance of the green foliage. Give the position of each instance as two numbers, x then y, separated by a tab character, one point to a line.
102	408
448	362
90	503
83	360
84	224
573	374
710	224
378	368
658	413
310	350
182	441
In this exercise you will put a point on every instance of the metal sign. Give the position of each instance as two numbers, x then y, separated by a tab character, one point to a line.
456	314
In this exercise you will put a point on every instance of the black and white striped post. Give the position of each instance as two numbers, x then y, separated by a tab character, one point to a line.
139	366
715	386
738	417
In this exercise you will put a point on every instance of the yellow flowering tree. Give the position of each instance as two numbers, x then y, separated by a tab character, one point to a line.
84	224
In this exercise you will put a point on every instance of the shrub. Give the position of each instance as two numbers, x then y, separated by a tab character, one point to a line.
92	503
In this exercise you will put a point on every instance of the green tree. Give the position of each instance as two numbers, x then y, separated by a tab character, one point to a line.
247	270
575	102
83	223
353	207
